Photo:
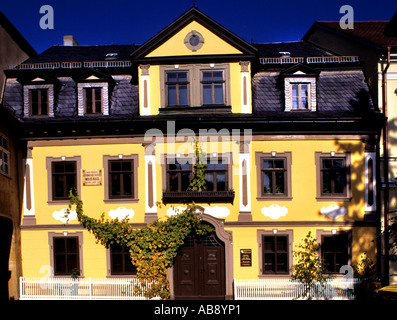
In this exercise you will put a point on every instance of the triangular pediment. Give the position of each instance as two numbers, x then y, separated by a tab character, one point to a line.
300	70
194	35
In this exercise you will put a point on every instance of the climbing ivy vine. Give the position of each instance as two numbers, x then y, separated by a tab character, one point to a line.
153	248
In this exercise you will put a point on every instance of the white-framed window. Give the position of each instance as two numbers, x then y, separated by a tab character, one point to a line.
38	100
93	98
300	94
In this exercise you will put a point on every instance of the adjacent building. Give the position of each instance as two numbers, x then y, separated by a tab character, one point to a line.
14	49
375	43
289	132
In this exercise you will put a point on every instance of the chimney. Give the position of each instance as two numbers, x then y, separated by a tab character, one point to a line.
69	41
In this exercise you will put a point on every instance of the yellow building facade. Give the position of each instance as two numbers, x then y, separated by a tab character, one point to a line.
289	151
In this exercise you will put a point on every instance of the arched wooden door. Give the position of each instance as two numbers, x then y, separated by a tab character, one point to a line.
199	269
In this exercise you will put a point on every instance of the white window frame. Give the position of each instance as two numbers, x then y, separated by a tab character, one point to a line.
80	96
26	97
311	81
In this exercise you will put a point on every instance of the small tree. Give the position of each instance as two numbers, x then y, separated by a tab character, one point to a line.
309	269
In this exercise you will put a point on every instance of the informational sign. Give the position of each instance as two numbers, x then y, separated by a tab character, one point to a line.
92	177
246	258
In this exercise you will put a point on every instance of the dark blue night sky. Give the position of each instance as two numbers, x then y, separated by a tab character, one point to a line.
134	22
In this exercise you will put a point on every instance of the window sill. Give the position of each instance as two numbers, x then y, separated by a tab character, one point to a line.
198	196
121	200
274	197
275	276
334	198
198	109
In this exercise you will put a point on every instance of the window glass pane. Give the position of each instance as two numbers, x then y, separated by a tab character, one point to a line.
269	263
210	181
327	163
172	95
339	182
182	76
218	94
280	188
267	164
281	244
127	184
44	102
268	243
221	182
267	182
295	90
327	182
279	164
304	104
183	95
282	262
173	181
217	75
185	179
295	103
207	76
171	76
207	94
304	90
338	163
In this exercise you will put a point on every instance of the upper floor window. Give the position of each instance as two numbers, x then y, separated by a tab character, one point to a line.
4	155
300	96
300	88
63	176
93	100
177	89
212	87
273	175
179	172
38	99
63	179
196	85
333	175
121	178
216	175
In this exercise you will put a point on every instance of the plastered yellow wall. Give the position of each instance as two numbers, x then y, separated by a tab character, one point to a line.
302	207
175	45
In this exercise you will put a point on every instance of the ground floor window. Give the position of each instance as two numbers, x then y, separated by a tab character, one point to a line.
120	261
335	251
66	253
275	252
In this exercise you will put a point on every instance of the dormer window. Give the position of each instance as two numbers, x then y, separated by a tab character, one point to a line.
38	99
93	100
300	88
300	96
93	89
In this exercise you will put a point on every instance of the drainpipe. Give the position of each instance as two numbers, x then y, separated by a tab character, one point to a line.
386	169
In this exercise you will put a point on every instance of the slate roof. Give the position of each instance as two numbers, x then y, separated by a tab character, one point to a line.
83	53
295	48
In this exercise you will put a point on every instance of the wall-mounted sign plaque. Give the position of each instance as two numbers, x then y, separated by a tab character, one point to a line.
92	177
246	258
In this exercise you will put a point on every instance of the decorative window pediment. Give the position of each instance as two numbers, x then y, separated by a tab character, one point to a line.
300	88
93	89
39	94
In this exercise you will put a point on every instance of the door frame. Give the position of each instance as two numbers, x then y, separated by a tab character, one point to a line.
227	238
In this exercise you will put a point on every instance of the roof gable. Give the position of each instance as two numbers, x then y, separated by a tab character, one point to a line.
171	40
